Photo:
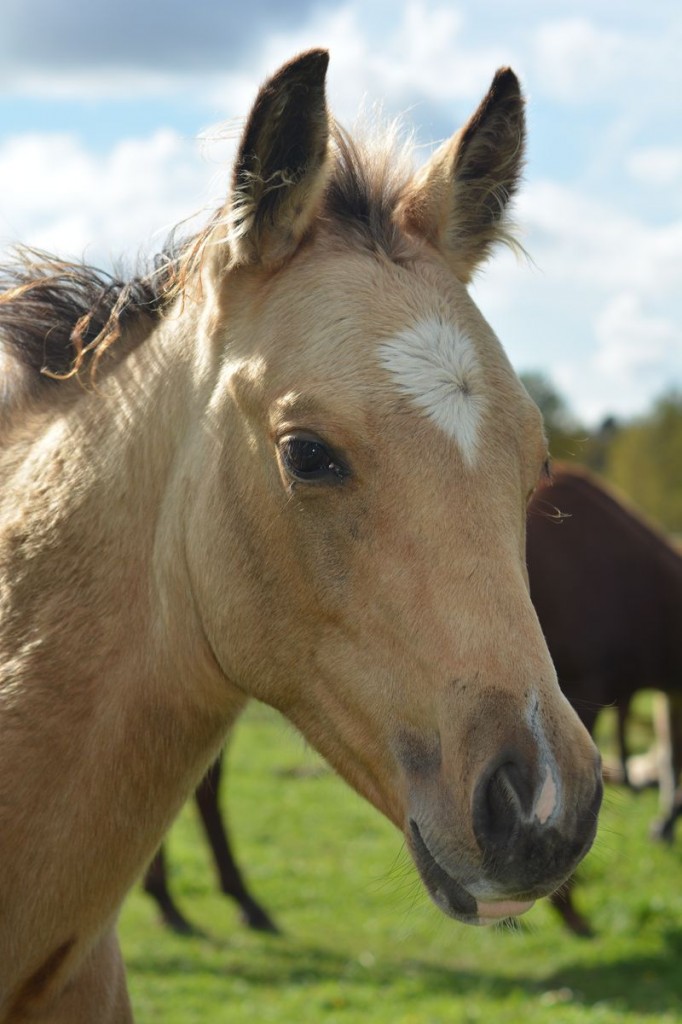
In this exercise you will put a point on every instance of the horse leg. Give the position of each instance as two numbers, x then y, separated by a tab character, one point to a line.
622	711
97	991
231	881
156	885
562	901
667	712
675	705
664	828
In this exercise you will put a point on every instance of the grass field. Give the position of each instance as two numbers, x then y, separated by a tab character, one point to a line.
361	941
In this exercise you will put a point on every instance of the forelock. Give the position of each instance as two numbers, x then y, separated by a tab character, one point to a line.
368	177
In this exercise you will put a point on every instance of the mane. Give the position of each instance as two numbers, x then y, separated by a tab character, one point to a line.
58	318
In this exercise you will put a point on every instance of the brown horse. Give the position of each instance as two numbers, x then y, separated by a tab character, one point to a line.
291	463
607	588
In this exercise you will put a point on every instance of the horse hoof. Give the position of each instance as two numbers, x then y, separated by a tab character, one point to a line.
181	926
259	921
580	926
662	831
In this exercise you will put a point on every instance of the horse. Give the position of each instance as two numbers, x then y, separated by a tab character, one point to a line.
607	588
290	462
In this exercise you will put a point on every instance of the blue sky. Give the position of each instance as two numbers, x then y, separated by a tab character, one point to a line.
110	132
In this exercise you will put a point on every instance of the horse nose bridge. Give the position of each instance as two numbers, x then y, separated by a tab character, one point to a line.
511	627
526	746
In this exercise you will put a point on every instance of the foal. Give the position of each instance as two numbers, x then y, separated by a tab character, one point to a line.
300	475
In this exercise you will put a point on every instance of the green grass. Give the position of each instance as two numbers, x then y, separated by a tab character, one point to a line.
361	941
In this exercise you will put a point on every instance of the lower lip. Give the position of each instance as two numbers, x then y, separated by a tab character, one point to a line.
490	913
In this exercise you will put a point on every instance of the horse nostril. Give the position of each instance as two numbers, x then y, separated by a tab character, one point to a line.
530	835
502	802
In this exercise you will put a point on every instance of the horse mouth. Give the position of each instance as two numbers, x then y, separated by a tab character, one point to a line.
451	896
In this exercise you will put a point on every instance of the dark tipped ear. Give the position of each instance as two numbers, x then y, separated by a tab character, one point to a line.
459	199
280	169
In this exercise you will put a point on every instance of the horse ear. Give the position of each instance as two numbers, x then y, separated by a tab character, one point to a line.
280	170
459	199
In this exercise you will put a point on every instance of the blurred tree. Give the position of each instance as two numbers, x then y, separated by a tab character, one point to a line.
567	439
550	403
597	445
644	459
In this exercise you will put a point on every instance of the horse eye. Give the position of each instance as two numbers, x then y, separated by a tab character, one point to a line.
307	459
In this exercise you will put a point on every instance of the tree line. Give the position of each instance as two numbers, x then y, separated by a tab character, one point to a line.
641	457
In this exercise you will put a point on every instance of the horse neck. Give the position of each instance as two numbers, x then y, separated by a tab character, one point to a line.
103	661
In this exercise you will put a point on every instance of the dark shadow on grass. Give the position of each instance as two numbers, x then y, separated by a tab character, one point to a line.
296	965
649	984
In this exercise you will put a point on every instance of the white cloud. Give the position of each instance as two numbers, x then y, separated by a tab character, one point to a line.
592	244
420	52
60	196
632	342
579	60
602	308
421	55
428	55
637	356
657	166
96	83
575	58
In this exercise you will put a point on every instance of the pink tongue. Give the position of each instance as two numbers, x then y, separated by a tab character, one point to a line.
491	912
